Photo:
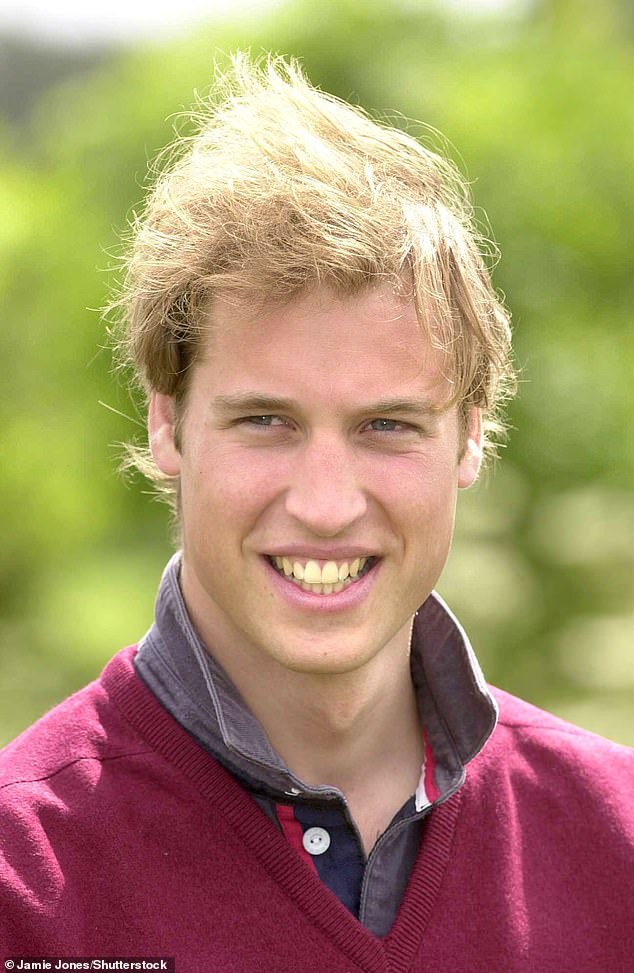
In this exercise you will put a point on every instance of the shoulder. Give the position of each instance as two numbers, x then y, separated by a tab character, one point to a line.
539	756
522	723
87	728
61	782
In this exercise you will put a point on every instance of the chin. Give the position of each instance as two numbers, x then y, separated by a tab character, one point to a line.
324	661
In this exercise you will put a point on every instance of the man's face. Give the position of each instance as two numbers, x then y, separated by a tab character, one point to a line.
318	480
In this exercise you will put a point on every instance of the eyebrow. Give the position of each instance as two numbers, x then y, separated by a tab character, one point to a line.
255	403
413	406
251	403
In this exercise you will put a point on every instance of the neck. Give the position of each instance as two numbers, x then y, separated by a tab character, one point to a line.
334	729
358	731
364	738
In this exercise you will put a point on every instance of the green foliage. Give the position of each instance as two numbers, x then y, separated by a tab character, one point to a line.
540	107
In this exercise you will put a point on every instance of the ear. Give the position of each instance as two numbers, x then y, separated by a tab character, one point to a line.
471	459
161	420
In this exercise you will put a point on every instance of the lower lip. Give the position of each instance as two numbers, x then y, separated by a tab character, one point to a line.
350	597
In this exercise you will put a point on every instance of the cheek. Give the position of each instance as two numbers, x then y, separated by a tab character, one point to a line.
223	487
420	502
413	485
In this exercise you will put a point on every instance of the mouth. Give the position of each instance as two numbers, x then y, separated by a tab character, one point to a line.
322	578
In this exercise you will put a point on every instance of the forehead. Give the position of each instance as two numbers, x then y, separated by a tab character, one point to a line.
341	346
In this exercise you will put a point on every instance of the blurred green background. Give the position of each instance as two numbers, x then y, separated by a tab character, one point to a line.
538	102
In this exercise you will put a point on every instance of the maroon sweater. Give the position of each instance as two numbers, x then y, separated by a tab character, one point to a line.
120	835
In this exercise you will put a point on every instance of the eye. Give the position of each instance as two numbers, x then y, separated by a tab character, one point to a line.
389	425
264	421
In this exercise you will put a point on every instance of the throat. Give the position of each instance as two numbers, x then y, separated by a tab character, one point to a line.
379	791
371	748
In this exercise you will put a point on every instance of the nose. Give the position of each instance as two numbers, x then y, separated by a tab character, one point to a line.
325	495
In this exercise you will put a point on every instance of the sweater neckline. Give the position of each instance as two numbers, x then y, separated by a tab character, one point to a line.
210	782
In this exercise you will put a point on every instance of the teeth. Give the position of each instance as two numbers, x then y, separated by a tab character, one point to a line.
329	579
312	573
329	573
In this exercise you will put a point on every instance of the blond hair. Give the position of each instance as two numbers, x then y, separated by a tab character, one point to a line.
284	188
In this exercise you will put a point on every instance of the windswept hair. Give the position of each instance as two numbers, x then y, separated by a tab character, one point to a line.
284	188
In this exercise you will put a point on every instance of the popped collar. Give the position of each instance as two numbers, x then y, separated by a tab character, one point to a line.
457	712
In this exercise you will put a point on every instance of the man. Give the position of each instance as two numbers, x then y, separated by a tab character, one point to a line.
299	767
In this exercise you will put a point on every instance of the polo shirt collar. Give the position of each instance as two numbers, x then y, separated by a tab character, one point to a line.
457	710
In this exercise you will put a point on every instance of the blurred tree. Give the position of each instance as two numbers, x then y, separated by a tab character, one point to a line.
538	102
27	68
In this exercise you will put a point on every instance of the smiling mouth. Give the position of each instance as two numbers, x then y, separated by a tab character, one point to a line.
328	578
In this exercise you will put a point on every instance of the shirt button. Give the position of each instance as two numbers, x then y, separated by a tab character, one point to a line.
316	841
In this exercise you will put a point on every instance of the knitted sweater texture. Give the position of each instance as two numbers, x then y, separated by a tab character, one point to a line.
121	836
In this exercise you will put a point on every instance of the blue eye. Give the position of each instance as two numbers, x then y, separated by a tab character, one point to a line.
386	425
264	420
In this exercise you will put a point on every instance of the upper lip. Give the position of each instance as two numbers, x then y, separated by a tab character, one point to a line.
311	552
